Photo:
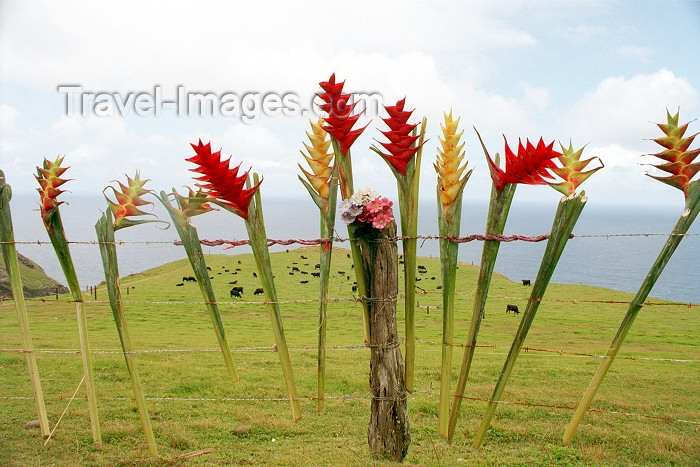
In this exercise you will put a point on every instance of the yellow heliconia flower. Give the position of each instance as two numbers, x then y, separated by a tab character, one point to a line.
572	170
319	159
450	179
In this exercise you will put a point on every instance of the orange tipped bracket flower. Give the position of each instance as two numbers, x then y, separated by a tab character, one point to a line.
402	144
220	182
319	159
49	178
339	107
194	204
451	182
531	165
129	197
678	158
571	170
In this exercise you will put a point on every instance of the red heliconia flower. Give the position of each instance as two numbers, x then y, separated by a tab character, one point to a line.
531	165
129	197
339	107
49	179
678	158
401	145
221	182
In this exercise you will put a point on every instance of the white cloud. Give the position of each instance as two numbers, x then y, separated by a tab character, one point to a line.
620	110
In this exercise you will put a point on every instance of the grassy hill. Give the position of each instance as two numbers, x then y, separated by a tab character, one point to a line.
35	282
647	411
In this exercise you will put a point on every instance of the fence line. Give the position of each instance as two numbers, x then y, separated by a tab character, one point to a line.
318	241
354	348
369	396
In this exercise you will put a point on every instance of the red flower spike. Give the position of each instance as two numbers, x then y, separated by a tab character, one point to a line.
221	182
339	107
678	159
401	145
49	178
128	199
531	165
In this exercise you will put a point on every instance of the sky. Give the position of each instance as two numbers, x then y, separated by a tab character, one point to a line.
591	73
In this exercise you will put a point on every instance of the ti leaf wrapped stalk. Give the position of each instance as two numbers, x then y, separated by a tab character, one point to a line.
49	178
404	151
192	205
678	162
322	185
118	216
236	194
9	254
568	212
450	187
530	165
338	123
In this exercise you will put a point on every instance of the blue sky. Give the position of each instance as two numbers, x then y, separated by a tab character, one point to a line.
596	73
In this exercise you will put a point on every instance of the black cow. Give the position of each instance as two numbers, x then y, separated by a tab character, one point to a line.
258	291
295	269
179	285
526	281
237	292
316	274
303	257
233	282
303	282
513	308
354	288
189	279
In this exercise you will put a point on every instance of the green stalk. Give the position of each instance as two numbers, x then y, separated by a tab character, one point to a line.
54	227
108	251
692	207
499	206
567	214
448	269
327	228
190	240
9	253
327	223
408	209
255	225
344	163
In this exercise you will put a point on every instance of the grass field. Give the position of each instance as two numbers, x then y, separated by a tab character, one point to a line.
201	418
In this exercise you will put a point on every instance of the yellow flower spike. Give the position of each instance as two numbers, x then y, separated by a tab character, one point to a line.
194	203
571	170
319	159
49	178
450	179
130	196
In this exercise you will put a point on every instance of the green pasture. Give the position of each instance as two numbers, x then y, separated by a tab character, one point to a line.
646	413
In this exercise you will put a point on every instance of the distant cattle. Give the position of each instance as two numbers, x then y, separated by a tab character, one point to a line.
304	272
341	272
303	257
255	275
189	279
354	288
258	291
303	282
295	269
439	287
233	282
513	308
526	281
236	292
316	274
179	285
208	268
317	266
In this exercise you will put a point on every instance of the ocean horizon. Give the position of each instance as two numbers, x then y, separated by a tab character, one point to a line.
613	246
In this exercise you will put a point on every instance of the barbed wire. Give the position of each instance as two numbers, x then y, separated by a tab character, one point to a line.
366	396
356	299
355	348
318	241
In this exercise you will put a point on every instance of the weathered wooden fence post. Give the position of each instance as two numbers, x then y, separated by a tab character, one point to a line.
389	433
